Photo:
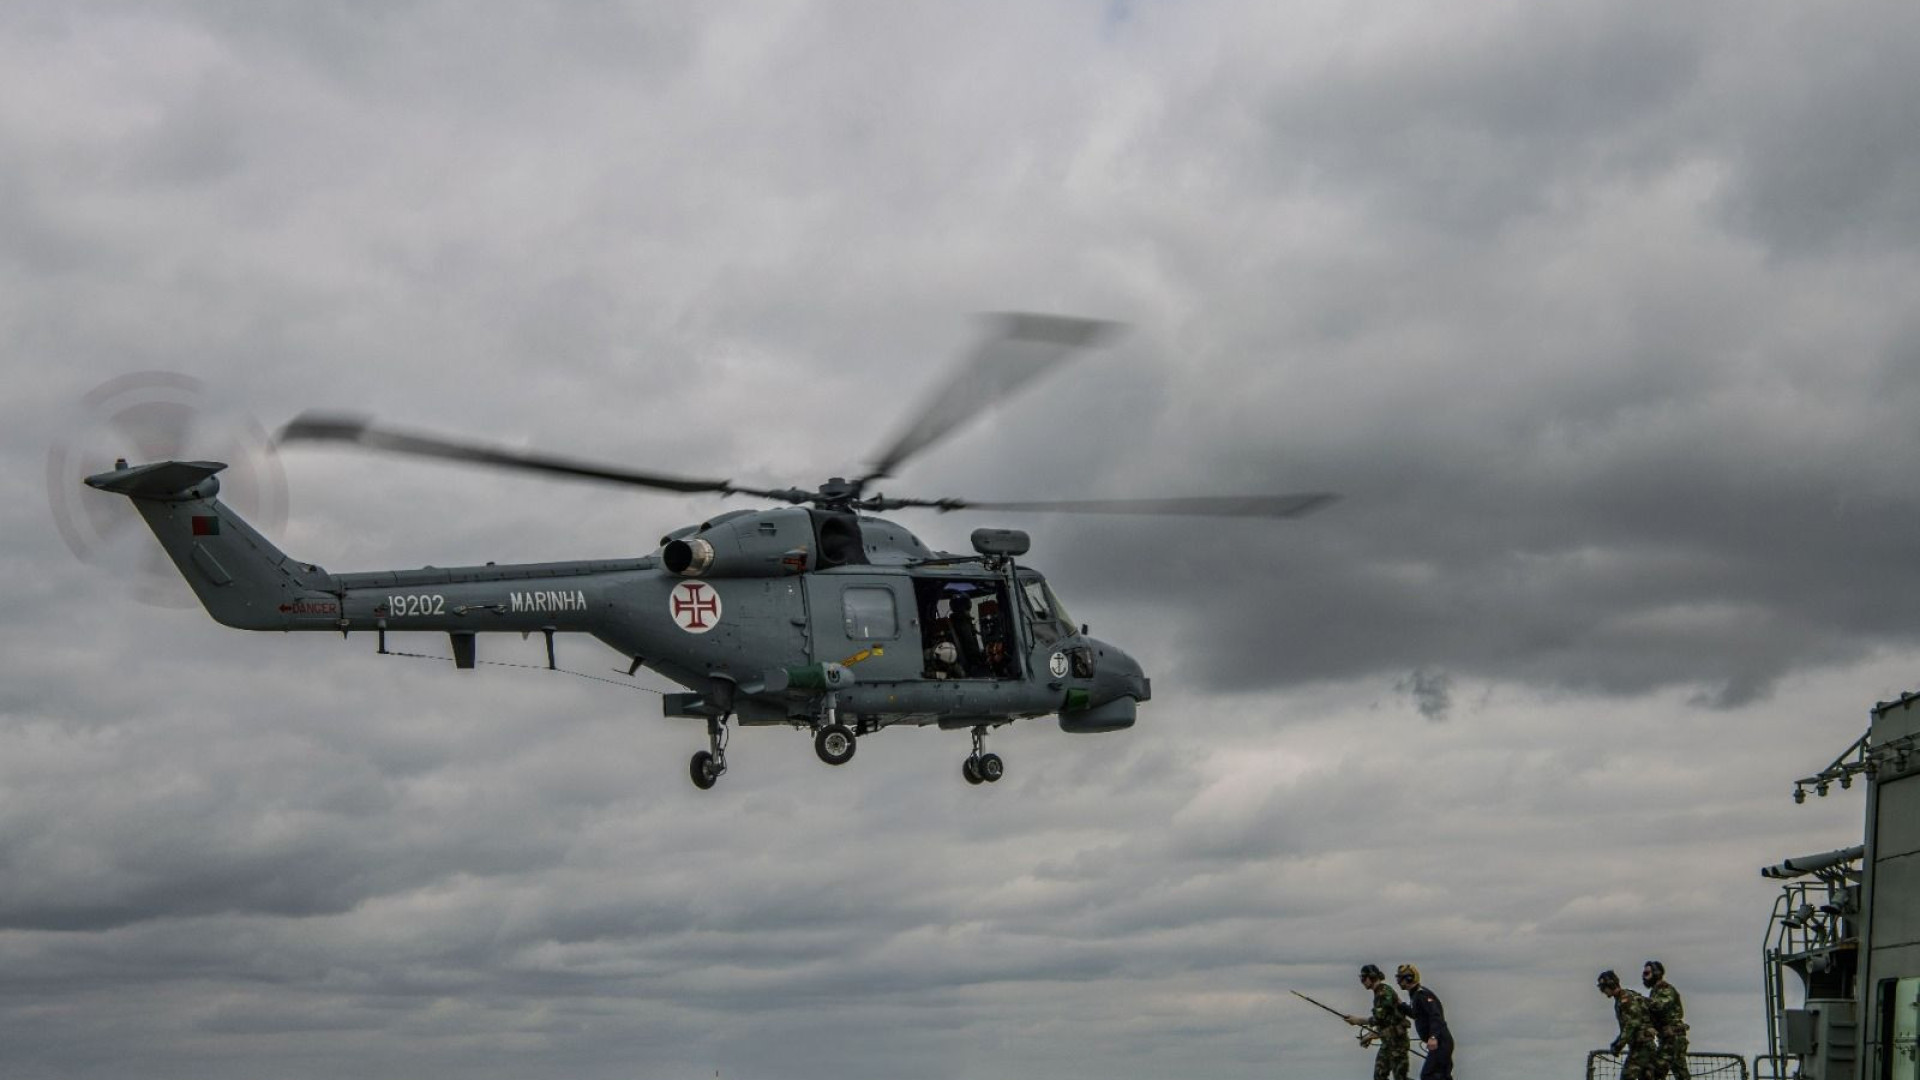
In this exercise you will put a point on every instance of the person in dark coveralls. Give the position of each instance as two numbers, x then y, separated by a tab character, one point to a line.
1388	1025
1668	1018
1636	1031
1429	1023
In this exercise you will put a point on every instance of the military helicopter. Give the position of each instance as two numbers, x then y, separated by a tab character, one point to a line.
816	614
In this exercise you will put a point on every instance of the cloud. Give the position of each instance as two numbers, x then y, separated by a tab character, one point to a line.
1431	691
1599	318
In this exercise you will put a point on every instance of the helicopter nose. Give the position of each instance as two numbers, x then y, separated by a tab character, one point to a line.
1117	676
1112	701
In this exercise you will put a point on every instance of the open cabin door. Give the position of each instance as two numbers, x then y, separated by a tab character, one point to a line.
967	629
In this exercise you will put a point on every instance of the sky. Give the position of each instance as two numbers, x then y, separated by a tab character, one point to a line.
1604	318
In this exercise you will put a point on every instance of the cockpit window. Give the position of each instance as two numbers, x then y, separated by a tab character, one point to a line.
1050	621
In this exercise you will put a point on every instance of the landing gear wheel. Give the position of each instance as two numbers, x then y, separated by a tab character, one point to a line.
982	767
834	744
702	770
708	765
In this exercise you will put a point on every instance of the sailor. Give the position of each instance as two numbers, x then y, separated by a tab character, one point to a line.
1636	1033
1668	1018
1429	1022
943	658
1387	1024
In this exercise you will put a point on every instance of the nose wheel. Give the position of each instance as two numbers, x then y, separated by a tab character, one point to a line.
982	767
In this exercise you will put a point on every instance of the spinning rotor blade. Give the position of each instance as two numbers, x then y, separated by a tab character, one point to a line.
323	427
1248	506
1017	349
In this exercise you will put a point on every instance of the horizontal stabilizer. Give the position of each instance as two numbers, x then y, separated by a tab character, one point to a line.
160	480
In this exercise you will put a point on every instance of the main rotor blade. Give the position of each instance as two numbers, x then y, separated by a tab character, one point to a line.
1018	348
1248	506
325	427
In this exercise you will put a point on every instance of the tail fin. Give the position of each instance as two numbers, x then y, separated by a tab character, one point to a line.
241	578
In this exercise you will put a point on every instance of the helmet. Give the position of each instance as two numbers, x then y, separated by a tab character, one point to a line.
1371	971
1608	981
1407	971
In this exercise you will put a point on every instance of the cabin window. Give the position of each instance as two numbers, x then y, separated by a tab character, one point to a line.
870	613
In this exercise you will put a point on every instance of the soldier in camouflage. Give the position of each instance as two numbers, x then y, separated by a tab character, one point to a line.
1636	1030
1385	1024
1668	1018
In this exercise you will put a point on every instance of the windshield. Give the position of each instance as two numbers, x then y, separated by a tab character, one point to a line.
1050	620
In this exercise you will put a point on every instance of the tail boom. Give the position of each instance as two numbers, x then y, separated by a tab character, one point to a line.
245	582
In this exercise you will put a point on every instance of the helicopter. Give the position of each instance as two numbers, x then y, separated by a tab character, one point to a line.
817	614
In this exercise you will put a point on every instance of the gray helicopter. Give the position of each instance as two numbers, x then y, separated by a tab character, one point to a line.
815	614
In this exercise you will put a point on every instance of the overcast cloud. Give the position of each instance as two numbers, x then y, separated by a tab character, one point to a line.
1601	316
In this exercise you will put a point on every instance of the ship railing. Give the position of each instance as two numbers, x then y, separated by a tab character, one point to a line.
1606	1065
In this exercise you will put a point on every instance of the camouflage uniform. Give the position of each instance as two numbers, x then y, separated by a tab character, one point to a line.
1391	1062
1667	1017
1636	1037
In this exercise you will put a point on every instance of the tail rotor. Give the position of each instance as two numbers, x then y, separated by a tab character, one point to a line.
155	416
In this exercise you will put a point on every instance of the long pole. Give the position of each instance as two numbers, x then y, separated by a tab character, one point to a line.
1343	1016
1315	1001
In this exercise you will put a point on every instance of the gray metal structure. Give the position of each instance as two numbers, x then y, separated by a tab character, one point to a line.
1847	924
817	614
